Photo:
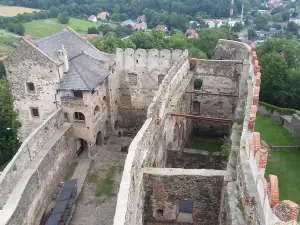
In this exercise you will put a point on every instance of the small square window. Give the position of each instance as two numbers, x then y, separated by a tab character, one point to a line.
30	87
198	84
35	112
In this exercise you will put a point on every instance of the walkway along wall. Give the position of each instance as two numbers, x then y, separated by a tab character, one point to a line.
245	179
30	180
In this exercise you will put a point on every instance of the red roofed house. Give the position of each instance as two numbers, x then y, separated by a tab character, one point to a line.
162	27
103	15
191	33
92	18
140	26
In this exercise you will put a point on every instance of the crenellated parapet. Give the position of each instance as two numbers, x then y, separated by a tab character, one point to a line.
267	208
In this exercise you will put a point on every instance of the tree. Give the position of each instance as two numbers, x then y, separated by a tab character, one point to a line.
197	53
17	28
261	22
293	28
237	27
274	77
251	34
93	30
63	18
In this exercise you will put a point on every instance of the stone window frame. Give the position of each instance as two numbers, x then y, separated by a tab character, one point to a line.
30	87
35	112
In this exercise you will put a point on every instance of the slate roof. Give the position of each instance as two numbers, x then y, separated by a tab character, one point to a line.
85	74
71	41
86	63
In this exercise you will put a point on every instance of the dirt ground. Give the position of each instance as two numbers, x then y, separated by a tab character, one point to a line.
15	10
98	198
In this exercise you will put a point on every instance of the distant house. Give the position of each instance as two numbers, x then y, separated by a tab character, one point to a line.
140	26
89	36
141	19
295	20
191	33
162	27
92	18
128	22
213	23
192	22
102	15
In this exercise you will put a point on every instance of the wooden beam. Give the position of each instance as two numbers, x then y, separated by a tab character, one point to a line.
206	118
207	93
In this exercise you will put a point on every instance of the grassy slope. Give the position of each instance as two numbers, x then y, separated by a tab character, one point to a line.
273	133
43	28
286	166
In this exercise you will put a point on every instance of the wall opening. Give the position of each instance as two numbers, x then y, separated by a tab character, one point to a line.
35	112
104	98
81	145
185	212
99	138
66	117
160	79
198	84
160	212
96	110
30	87
106	127
196	107
78	94
79	116
116	124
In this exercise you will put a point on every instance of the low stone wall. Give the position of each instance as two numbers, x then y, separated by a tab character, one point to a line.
37	184
195	159
26	153
165	187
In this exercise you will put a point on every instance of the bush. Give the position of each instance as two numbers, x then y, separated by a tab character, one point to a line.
17	28
63	18
282	111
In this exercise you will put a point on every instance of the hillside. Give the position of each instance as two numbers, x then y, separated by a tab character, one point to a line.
46	27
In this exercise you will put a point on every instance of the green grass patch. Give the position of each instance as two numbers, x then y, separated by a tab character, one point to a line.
273	133
207	144
46	27
286	166
104	186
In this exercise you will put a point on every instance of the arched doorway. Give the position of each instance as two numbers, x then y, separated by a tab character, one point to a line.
99	138
81	145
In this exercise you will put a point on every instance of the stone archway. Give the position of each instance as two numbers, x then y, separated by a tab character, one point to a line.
81	145
99	138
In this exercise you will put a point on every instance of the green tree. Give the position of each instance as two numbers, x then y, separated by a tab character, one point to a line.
197	53
93	30
8	125
261	22
251	34
237	27
63	18
274	72
293	28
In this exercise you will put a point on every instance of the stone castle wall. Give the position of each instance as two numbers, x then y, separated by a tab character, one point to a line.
245	182
30	180
29	64
140	74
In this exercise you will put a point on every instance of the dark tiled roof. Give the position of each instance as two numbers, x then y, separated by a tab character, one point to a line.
72	42
85	73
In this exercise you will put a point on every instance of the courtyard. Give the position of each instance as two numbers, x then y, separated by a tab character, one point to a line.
98	198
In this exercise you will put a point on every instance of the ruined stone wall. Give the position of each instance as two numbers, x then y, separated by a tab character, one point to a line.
148	147
165	187
195	159
28	64
140	74
220	78
30	180
248	197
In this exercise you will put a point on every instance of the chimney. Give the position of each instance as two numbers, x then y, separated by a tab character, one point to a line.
63	56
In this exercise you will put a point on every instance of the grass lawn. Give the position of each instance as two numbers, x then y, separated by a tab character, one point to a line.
43	28
273	133
15	10
286	166
211	145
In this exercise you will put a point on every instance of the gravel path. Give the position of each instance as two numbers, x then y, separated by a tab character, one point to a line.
93	210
